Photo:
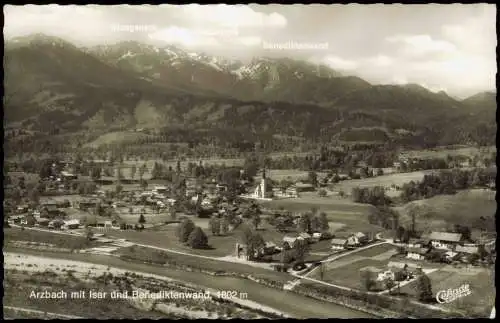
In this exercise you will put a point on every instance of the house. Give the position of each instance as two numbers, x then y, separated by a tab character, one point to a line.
445	240
404	265
450	255
22	209
86	205
316	236
71	224
56	224
465	253
42	222
339	244
384	275
291	192
269	248
361	238
343	177
291	240
160	190
416	253
67	175
49	206
306	236
352	239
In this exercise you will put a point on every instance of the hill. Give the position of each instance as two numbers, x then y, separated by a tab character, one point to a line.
62	95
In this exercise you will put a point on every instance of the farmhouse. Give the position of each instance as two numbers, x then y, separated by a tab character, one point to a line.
306	236
339	244
316	236
67	176
291	240
269	248
416	253
86	205
352	239
361	238
71	224
445	240
42	222
49	206
403	265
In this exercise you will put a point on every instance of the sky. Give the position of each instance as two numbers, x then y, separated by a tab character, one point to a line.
442	47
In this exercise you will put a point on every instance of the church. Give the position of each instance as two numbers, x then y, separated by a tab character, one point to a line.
263	191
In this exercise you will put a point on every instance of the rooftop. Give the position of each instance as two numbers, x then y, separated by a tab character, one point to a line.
446	236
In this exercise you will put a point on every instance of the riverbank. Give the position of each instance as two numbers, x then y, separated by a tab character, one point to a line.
283	301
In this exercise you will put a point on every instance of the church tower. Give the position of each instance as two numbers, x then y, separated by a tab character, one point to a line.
263	183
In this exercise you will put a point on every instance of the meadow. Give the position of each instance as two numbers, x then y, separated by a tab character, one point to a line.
442	152
440	212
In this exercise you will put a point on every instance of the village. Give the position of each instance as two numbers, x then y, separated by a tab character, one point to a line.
248	229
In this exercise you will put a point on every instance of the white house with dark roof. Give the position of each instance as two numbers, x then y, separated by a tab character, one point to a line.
339	244
445	240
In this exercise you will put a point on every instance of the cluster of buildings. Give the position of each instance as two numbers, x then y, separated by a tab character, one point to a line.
448	247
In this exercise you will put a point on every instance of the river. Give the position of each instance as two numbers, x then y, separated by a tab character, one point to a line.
291	303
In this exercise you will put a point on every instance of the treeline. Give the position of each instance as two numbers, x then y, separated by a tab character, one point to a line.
370	195
447	182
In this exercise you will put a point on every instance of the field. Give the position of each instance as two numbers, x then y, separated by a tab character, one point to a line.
289	174
481	281
464	207
58	240
116	137
343	214
397	179
348	275
443	152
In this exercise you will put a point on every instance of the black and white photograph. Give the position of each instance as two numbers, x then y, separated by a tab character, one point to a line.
218	161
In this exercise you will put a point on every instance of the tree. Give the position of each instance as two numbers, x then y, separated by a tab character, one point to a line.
315	225
133	170
95	173
256	220
184	230
313	178
197	239
322	193
143	184
142	170
119	174
89	234
424	288
324	225
118	189
400	231
34	196
367	280
301	248
224	225
173	212
389	284
304	224
215	225
142	220
255	245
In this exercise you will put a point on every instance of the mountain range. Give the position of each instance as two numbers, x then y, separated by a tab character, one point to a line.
54	88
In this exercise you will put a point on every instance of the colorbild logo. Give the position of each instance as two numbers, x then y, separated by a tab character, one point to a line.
449	295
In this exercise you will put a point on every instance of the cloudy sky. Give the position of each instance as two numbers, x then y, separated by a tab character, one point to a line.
442	47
